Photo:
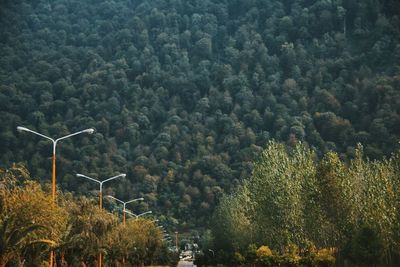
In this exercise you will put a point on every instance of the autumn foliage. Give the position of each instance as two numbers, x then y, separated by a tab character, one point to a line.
76	229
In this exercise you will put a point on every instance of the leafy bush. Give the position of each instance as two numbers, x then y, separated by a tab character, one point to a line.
265	256
324	258
238	258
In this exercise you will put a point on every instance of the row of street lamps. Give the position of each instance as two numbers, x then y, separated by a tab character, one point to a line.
53	190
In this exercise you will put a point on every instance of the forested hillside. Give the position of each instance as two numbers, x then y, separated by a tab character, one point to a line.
184	95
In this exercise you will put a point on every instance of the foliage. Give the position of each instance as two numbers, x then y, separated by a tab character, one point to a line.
366	247
264	255
75	229
325	258
87	224
188	92
27	221
238	258
295	202
263	251
283	188
231	226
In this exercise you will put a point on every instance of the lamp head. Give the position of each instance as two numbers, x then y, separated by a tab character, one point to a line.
89	131
21	129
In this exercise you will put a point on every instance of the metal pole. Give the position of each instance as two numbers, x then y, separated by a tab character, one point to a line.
101	197
53	182
53	192
51	259
124	219
176	241
101	206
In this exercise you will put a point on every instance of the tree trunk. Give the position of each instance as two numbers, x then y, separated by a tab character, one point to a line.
64	263
3	261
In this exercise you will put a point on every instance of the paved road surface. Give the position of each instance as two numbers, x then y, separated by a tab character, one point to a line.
186	264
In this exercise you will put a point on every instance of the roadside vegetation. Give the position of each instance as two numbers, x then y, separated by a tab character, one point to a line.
77	230
298	210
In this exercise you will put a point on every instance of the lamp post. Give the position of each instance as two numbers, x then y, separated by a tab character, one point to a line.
53	175
101	194
124	203
176	241
55	141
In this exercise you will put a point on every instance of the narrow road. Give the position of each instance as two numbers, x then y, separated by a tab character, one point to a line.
186	264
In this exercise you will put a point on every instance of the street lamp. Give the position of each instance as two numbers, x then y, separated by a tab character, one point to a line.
101	194
53	175
124	203
55	141
101	183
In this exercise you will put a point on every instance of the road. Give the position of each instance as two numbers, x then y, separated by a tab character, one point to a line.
186	264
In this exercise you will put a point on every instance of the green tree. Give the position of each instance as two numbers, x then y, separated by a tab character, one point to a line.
27	219
88	226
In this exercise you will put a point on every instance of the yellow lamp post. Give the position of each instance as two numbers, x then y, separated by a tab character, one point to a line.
53	176
101	194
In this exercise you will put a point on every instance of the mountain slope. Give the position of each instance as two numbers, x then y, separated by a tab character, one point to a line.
185	94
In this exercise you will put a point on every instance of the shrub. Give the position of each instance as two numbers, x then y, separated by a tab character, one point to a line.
324	258
238	258
263	251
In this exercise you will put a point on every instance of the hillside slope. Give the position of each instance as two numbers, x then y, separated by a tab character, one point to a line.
185	94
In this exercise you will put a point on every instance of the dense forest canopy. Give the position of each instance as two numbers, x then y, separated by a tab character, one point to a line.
184	95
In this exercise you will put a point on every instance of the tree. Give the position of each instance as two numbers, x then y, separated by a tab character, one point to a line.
284	186
232	228
88	226
27	218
